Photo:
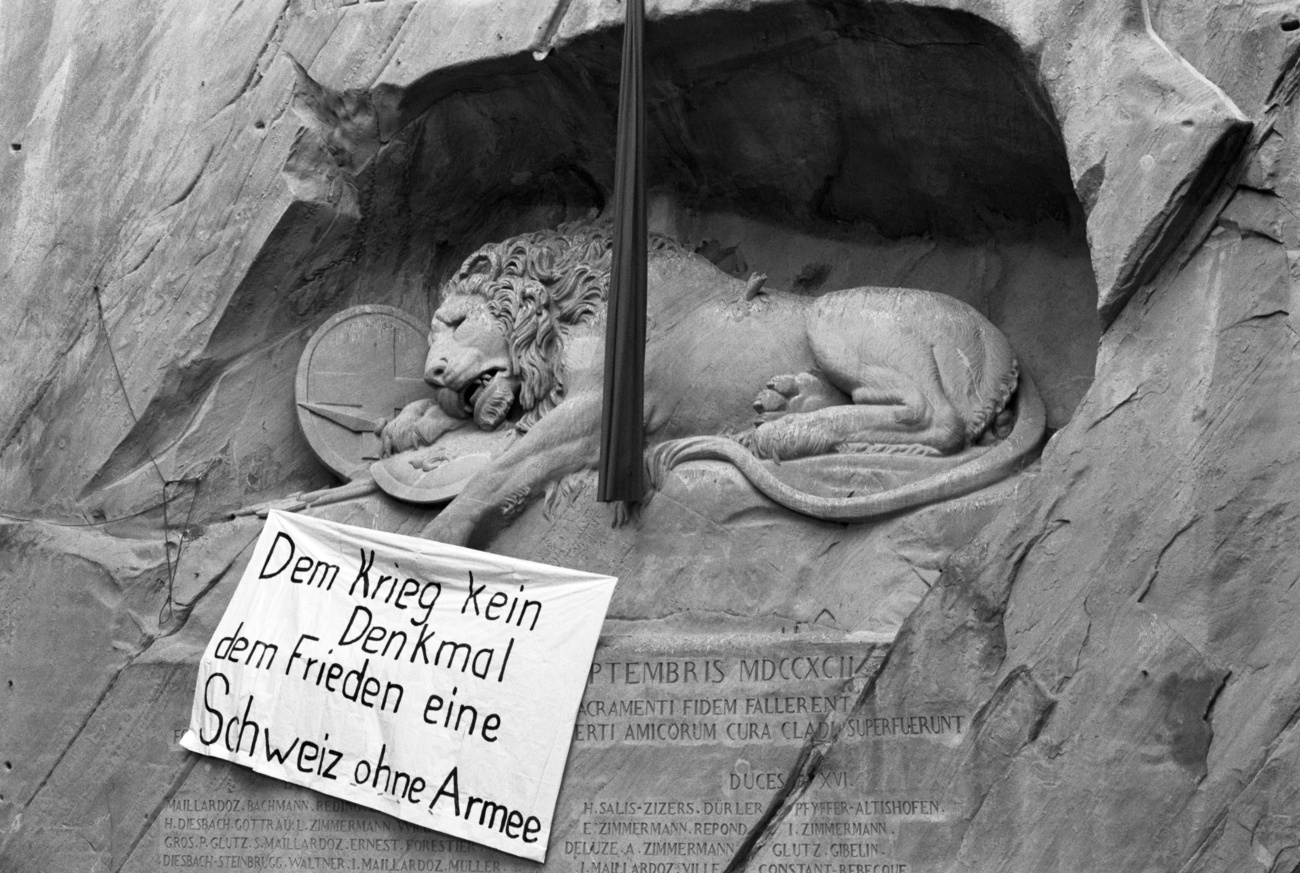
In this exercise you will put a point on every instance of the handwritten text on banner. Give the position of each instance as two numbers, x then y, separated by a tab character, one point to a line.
434	683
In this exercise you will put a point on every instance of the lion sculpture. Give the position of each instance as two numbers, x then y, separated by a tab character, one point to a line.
731	374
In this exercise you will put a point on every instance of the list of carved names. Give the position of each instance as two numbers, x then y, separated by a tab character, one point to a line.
676	756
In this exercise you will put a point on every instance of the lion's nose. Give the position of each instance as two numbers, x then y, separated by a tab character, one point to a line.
435	374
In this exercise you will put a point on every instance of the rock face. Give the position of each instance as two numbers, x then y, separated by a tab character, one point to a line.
1092	665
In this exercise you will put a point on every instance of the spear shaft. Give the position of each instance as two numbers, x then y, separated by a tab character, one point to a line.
622	431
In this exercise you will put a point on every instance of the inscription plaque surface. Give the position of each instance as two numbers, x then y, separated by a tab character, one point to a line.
679	751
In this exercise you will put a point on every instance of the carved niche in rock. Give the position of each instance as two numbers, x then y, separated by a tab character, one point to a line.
912	384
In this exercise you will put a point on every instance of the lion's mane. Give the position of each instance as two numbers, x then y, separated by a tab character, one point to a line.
536	285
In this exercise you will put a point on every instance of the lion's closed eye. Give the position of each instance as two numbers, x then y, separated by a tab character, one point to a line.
452	314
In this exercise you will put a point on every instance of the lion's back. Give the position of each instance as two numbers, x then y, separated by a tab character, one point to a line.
680	282
709	351
910	327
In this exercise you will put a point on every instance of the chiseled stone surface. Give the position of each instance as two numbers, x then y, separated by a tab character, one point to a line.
1104	677
1147	133
1126	634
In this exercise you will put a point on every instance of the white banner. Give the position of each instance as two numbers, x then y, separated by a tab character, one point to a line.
435	683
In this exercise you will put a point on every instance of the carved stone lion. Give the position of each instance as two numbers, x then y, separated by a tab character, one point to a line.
520	331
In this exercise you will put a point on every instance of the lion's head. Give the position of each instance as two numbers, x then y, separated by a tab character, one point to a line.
498	336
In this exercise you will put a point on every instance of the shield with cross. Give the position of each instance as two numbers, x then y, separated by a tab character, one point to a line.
359	369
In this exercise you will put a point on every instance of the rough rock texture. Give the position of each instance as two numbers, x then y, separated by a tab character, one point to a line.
1121	631
302	214
1125	634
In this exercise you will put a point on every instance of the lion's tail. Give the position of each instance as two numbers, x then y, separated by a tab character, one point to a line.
994	465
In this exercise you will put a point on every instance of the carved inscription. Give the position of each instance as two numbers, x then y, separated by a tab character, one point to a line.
851	836
729	700
297	830
678	753
871	819
702	742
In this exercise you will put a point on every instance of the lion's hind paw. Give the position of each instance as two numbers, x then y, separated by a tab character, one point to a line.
745	439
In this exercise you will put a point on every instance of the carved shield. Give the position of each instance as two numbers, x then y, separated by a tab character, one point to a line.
360	368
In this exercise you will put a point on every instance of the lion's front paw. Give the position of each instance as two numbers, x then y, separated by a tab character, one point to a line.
451	526
418	425
793	436
745	438
763	441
